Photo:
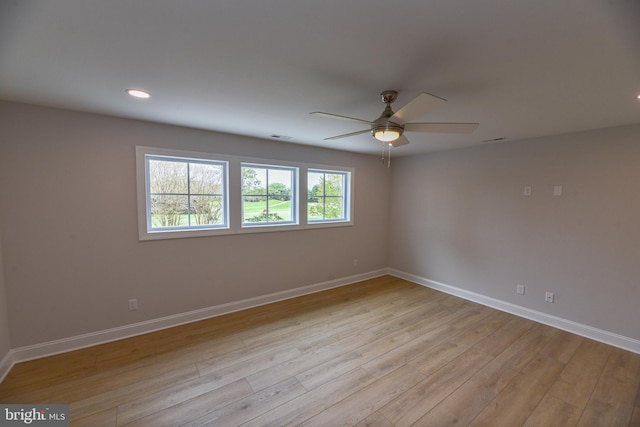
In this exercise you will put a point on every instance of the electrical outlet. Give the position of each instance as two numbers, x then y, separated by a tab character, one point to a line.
527	190
520	289
548	296
355	262
133	304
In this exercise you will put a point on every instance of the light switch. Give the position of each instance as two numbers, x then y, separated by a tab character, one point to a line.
557	190
527	190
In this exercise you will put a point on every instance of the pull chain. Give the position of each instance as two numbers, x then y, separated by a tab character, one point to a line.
382	159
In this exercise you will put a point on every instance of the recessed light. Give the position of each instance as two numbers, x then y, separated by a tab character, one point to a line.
138	93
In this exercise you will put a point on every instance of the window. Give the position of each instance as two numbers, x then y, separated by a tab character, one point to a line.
190	194
268	195
328	196
184	194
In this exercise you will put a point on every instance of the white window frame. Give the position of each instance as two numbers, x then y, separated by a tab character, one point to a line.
145	230
233	196
295	198
347	201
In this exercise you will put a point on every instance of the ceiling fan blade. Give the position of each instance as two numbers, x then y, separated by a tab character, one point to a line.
400	141
441	127
418	107
346	135
336	116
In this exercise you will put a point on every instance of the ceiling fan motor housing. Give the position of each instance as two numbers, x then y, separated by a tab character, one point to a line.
382	126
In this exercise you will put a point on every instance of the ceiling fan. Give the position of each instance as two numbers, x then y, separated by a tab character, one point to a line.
390	127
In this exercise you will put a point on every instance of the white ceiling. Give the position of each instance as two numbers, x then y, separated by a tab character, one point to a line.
521	68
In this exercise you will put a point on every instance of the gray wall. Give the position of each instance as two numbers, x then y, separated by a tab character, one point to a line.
460	218
72	257
5	342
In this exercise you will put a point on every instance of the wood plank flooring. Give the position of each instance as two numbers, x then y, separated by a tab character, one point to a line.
383	352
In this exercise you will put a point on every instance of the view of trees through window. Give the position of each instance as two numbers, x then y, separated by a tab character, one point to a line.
267	195
186	193
326	195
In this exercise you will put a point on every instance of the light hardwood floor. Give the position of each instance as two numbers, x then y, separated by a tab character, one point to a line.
383	352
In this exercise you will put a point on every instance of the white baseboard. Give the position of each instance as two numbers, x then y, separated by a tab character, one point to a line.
50	348
587	331
6	364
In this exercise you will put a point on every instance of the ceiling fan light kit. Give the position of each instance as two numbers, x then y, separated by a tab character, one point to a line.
390	127
387	133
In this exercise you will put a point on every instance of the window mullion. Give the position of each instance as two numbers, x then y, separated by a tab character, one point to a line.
324	196
266	193
189	194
